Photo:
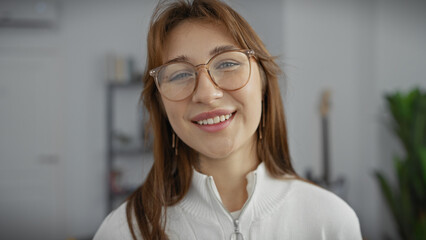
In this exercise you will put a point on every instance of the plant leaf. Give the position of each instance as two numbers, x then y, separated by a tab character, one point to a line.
422	158
420	228
390	201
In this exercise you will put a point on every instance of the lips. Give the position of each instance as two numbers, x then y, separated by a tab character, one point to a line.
212	115
214	120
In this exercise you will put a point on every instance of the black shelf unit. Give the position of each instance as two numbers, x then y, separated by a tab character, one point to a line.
118	192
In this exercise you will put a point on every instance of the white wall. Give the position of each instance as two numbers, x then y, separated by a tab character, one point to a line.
327	45
358	48
86	31
400	64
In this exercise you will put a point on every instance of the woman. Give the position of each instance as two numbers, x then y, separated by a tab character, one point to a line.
222	166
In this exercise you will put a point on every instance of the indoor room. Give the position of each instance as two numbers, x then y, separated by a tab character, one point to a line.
74	139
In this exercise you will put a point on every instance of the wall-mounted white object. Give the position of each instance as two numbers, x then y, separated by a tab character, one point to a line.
28	13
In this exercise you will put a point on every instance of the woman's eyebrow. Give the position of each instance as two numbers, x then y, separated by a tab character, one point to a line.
181	58
220	49
216	50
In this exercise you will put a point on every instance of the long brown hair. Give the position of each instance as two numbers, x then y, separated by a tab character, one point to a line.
169	179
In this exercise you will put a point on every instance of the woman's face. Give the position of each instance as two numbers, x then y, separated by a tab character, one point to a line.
196	42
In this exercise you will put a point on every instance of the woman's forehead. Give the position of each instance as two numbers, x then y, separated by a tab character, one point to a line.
196	40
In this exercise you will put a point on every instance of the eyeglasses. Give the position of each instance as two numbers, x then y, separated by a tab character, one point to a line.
228	70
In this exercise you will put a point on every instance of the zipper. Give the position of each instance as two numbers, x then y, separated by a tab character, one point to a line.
236	235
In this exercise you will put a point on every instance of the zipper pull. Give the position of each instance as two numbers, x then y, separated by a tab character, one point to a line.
237	235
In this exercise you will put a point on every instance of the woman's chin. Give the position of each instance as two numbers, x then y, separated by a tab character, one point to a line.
217	153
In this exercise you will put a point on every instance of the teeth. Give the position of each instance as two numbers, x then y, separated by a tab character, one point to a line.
215	120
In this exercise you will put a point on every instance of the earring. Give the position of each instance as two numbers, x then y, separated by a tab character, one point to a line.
263	114
260	132
175	141
263	122
176	146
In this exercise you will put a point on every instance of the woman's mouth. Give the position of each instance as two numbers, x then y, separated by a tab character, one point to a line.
216	123
215	120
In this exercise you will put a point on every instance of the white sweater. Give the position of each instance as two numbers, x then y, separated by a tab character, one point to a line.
275	209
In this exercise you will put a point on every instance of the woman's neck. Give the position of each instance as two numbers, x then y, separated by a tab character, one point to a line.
230	174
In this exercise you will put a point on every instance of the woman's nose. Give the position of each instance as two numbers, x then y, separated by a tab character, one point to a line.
206	91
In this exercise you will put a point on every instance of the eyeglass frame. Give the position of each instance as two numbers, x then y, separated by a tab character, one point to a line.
154	72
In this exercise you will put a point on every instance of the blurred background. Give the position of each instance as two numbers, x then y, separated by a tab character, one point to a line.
70	123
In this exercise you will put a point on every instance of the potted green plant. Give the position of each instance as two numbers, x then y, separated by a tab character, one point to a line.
407	198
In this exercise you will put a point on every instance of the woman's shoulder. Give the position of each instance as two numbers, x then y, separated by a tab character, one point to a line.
114	226
315	195
323	206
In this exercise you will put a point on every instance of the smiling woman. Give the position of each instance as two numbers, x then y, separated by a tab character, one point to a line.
232	140
222	167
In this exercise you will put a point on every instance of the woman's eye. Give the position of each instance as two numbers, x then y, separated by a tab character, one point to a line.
227	65
180	76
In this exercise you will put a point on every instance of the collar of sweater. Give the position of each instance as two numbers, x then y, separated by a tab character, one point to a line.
268	193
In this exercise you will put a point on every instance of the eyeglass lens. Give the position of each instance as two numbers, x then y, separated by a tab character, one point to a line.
229	70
